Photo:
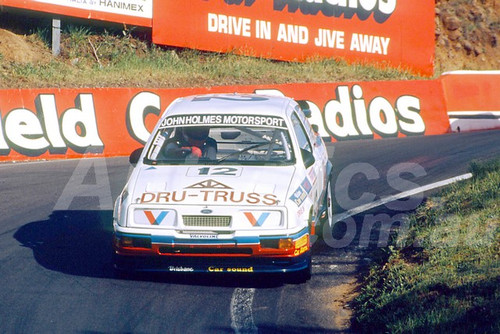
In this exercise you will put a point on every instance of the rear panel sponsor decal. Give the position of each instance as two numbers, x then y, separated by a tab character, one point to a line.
300	195
312	173
306	185
215	269
262	219
155	220
209	191
208	184
154	217
301	245
180	269
214	171
229	120
256	221
203	236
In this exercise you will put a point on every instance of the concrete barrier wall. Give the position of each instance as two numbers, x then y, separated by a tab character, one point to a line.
70	123
472	99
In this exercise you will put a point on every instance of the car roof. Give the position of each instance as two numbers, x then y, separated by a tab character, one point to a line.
235	103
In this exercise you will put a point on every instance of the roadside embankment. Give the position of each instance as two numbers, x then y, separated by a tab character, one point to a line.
446	276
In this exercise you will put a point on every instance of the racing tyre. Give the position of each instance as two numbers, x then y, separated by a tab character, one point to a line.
327	220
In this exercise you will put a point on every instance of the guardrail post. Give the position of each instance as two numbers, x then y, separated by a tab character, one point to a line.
56	37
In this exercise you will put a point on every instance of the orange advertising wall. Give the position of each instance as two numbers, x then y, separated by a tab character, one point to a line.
472	90
392	33
472	99
386	32
133	12
70	123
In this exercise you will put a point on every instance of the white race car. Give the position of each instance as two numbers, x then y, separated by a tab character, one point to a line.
227	183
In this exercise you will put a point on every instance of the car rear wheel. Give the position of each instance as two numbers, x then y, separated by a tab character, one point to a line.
327	218
329	205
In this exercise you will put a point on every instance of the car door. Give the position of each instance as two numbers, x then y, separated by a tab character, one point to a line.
309	141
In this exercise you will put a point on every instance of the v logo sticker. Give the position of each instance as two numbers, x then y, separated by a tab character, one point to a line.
155	221
256	222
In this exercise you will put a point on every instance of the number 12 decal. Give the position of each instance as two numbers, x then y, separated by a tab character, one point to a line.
214	171
218	171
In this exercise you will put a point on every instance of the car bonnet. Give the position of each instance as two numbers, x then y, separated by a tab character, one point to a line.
213	185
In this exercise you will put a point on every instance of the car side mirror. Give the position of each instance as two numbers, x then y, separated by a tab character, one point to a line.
135	155
308	158
305	108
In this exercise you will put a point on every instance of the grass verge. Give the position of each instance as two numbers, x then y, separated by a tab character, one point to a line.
446	278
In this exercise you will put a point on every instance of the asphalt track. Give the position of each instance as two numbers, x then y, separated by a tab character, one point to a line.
55	247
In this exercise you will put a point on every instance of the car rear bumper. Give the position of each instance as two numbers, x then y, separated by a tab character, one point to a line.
208	264
277	254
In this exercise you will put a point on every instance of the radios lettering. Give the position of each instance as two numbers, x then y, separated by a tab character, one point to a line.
381	9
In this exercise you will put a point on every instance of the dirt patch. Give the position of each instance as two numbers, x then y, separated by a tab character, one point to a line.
22	49
339	299
467	35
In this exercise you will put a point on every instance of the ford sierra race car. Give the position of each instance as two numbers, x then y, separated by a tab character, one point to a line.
227	183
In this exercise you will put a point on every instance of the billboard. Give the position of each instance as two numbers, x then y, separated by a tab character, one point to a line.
133	12
391	33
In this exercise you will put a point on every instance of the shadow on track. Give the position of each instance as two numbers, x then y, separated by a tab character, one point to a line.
72	242
79	242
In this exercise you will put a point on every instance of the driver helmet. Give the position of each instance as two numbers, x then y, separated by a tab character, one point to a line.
196	134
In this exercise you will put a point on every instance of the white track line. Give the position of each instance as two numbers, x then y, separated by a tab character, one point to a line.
382	201
37	162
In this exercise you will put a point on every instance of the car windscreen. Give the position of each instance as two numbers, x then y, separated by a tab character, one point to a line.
220	144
